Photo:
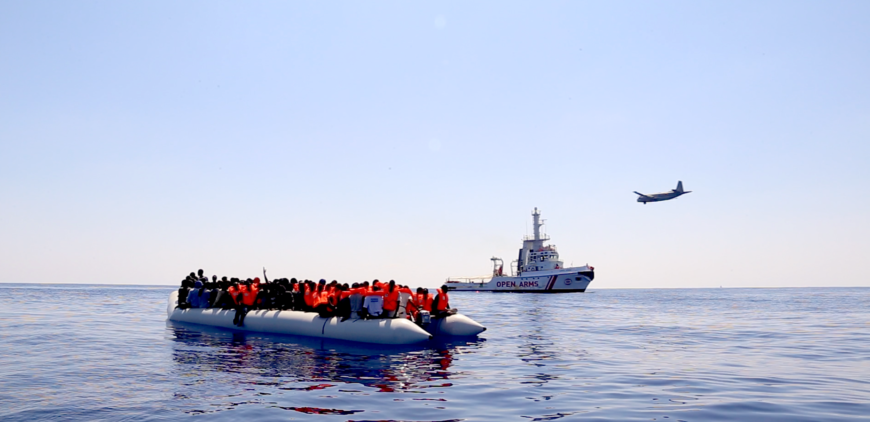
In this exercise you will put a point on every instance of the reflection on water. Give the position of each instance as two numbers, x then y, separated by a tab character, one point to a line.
266	364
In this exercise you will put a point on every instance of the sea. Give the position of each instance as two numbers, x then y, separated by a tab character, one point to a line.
108	353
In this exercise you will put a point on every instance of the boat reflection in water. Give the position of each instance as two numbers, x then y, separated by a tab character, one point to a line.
225	366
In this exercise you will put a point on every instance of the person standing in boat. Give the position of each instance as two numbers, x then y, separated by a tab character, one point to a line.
248	294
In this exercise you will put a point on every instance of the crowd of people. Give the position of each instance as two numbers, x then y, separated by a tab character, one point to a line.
356	301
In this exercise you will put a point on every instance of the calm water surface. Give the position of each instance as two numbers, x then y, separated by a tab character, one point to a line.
108	353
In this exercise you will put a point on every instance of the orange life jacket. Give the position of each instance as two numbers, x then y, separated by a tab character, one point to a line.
233	291
322	298
424	303
391	299
334	295
309	296
249	294
443	301
317	298
374	293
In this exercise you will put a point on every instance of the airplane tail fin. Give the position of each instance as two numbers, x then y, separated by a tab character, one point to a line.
680	186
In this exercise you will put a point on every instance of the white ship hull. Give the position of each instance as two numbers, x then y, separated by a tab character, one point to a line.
537	269
556	281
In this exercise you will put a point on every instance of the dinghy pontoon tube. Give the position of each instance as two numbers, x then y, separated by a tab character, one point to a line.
382	331
454	325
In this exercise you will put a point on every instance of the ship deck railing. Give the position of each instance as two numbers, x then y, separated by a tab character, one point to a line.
478	279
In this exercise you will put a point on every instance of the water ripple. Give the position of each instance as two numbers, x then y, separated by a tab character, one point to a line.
107	353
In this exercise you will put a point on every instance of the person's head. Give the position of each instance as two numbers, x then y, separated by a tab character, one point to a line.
256	281
355	285
192	275
198	284
376	288
214	279
392	285
365	283
444	288
419	290
293	280
248	282
345	286
333	282
199	272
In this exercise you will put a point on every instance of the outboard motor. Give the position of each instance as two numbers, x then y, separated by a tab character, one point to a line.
425	318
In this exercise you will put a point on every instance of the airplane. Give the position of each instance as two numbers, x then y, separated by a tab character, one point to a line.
664	196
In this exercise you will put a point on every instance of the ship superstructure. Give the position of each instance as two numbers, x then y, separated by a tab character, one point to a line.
537	269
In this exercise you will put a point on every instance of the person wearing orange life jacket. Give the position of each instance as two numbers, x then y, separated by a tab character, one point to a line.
321	300
308	296
245	300
413	306
424	300
334	294
441	303
250	294
391	300
316	298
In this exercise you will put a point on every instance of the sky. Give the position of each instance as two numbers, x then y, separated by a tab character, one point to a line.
348	140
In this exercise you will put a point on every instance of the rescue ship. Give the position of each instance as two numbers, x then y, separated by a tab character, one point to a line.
536	270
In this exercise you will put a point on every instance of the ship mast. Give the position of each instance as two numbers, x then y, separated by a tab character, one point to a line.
538	241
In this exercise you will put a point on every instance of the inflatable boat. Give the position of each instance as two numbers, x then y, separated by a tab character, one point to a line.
381	331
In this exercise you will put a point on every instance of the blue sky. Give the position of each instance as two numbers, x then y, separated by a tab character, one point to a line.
411	140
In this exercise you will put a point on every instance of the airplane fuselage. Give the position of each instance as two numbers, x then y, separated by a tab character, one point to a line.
663	196
655	197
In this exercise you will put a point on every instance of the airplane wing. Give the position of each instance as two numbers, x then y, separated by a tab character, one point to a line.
640	194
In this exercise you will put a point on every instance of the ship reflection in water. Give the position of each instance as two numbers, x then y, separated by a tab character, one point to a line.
224	369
